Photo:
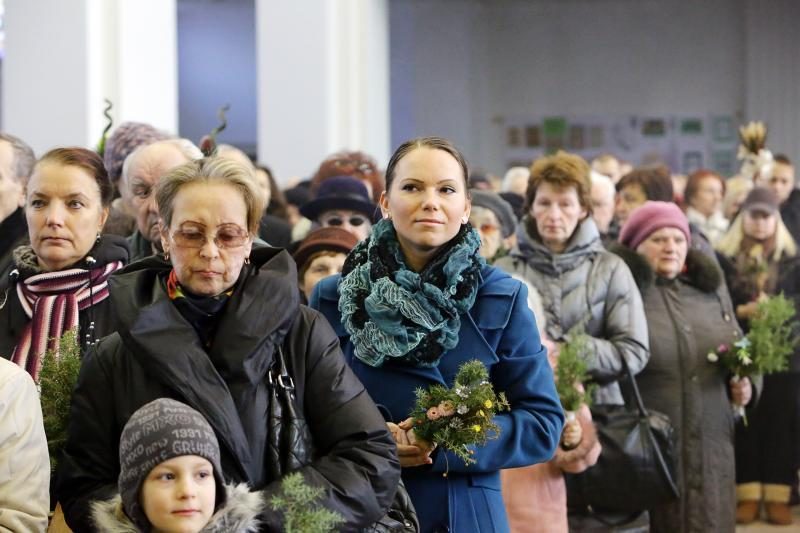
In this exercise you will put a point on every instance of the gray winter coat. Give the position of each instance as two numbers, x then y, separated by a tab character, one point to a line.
239	514
587	287
689	317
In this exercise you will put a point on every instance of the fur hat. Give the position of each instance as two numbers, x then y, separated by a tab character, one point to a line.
501	209
650	217
156	432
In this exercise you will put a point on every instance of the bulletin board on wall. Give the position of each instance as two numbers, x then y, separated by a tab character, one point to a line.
684	142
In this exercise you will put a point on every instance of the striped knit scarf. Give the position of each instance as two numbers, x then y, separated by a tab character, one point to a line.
52	300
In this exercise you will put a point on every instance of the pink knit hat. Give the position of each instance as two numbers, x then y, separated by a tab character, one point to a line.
650	217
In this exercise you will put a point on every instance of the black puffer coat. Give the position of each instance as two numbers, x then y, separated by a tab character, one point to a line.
13	233
157	353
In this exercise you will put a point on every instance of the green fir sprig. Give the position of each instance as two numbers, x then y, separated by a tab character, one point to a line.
458	417
571	373
297	501
57	379
767	346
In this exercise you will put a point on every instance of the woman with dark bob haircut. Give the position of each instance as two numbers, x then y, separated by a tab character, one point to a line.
60	280
204	324
414	302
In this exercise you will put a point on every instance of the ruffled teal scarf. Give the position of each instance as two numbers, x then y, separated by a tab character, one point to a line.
392	312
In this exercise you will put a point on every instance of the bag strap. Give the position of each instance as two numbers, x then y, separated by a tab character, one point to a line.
639	403
278	373
644	414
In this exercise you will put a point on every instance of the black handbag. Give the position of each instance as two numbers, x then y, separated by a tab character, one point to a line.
636	467
290	447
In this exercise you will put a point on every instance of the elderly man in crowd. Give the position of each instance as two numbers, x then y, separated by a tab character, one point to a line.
16	165
140	174
603	198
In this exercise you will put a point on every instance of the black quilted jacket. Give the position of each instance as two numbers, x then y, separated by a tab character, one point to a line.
156	353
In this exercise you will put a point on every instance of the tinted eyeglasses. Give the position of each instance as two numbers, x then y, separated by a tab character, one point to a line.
227	236
338	220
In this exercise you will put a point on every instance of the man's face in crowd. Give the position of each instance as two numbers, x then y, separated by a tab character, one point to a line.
782	181
148	166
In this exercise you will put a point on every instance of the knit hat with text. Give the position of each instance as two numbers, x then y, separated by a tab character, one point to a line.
156	432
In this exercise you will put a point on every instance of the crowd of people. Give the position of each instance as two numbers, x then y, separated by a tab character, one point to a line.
232	331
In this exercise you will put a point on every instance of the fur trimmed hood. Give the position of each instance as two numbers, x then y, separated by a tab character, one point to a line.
239	514
699	271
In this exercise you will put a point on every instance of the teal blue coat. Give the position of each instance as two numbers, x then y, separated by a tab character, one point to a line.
500	331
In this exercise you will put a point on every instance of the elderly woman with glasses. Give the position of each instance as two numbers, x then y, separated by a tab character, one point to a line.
204	324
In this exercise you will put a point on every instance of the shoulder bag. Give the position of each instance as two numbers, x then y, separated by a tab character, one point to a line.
290	447
636	468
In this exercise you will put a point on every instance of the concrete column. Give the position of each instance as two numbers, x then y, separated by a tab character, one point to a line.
63	57
323	81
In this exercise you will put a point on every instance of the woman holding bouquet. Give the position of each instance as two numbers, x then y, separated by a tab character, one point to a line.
413	303
689	314
760	259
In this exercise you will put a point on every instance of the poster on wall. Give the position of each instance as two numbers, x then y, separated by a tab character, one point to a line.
685	143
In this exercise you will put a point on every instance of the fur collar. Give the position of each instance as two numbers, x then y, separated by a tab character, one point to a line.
239	514
701	272
25	259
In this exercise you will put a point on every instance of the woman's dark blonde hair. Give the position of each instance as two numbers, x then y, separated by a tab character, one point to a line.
211	170
561	170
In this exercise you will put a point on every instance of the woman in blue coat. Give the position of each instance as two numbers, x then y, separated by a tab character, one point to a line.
413	303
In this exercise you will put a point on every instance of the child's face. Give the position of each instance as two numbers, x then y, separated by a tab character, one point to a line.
178	495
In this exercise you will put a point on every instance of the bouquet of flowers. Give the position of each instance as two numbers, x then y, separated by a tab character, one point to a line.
296	501
458	417
767	346
571	375
57	379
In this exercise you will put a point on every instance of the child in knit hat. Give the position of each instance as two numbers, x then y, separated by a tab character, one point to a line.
171	480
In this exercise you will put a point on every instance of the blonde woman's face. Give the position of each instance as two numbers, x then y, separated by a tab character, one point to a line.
207	240
759	225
